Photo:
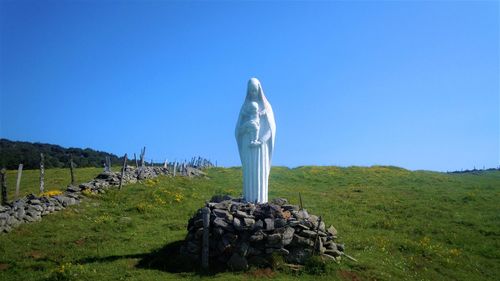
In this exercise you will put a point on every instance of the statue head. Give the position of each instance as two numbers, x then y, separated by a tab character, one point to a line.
253	89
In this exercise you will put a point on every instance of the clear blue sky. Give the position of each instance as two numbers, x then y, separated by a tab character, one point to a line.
411	84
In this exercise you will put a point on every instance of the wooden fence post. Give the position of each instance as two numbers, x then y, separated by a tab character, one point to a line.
42	172
72	170
136	163
143	151
18	182
206	230
300	201
3	182
123	170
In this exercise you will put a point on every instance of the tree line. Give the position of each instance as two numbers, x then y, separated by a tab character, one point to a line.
13	153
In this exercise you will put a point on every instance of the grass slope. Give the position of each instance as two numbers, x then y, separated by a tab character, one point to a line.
400	225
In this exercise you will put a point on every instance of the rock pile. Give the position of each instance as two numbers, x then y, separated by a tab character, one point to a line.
31	208
244	233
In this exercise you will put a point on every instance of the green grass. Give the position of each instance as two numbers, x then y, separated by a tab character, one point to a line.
400	225
55	179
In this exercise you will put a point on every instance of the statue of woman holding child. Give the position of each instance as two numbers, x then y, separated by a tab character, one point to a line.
255	134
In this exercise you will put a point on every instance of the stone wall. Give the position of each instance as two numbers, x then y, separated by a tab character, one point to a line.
32	208
245	233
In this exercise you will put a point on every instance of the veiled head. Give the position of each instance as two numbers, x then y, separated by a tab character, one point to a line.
253	89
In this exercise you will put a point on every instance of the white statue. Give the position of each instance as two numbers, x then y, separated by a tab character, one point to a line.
255	133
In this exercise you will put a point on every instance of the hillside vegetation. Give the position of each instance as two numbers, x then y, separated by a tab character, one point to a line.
399	224
13	153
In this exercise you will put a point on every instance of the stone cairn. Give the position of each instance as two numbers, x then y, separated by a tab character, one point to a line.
242	234
32	208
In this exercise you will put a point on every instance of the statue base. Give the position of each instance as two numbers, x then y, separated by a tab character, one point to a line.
242	234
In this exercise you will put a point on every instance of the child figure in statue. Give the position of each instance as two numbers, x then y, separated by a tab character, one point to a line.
252	125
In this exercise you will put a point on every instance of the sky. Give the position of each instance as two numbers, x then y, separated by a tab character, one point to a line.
414	84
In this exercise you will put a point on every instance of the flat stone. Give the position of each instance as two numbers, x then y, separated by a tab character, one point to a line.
219	222
332	230
308	233
279	201
241	214
73	188
257	236
334	253
302	241
224	205
222	214
280	251
290	207
35	202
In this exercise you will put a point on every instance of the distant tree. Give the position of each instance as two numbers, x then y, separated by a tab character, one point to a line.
12	153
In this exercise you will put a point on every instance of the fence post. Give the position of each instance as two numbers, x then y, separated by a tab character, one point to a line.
18	182
136	163
143	151
206	229
3	182
42	172
72	170
123	170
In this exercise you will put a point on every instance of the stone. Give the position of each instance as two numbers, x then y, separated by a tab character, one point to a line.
279	222
255	133
249	222
302	241
257	236
334	253
279	201
290	207
332	230
308	233
237	224
243	249
73	188
269	223
341	247
298	255
219	222
253	252
259	224
237	262
274	241
35	202
288	235
279	251
222	214
224	205
241	214
301	214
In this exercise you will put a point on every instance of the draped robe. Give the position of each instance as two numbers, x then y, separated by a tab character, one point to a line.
256	160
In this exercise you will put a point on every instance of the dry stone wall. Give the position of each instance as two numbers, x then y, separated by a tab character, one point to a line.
32	208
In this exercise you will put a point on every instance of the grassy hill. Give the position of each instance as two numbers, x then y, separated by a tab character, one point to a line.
399	224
